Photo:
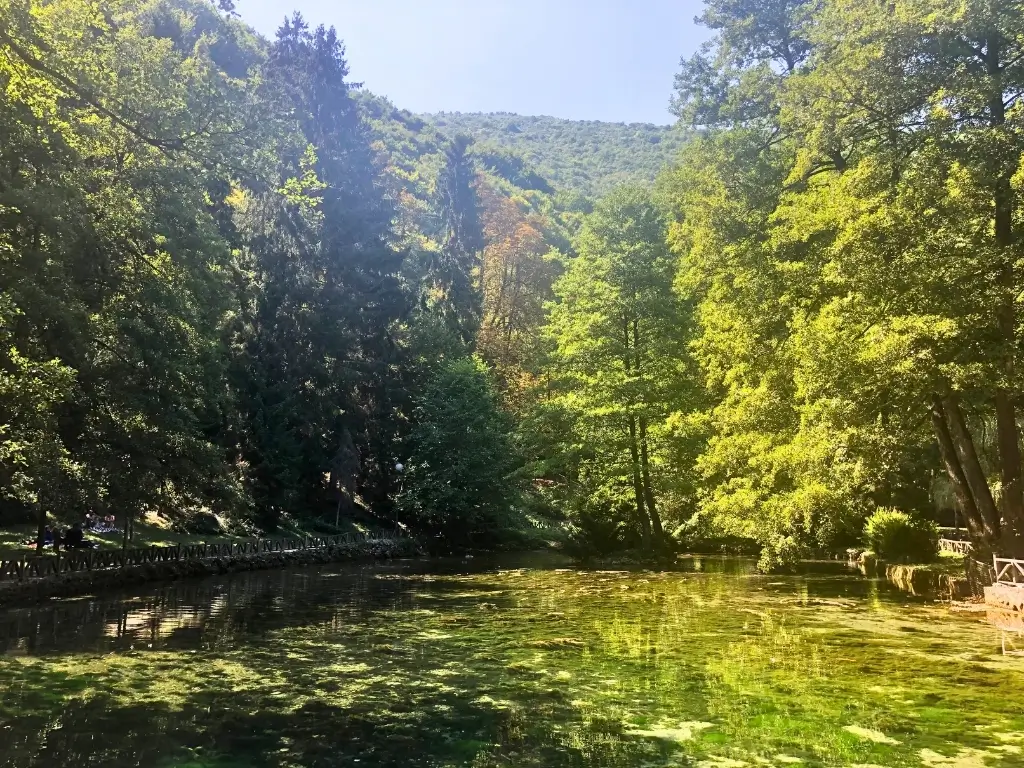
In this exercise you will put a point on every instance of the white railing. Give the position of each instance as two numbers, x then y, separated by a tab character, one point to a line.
1008	571
955	545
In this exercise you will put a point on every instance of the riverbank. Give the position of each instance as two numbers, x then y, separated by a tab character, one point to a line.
943	580
94	581
953	577
152	530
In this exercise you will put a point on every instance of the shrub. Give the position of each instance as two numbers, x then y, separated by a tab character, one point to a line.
898	536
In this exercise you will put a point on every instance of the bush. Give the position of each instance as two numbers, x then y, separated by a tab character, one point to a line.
598	529
901	537
199	523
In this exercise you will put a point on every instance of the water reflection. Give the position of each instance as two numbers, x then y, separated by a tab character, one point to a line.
507	662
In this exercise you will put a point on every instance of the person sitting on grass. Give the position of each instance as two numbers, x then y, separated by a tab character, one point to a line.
47	538
75	538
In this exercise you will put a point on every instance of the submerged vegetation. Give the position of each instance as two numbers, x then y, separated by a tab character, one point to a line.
712	667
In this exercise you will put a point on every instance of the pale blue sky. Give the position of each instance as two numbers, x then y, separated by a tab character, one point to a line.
598	60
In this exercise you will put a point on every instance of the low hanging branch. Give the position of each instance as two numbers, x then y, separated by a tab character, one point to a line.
167	145
32	61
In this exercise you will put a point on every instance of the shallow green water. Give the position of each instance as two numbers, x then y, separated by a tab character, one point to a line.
515	663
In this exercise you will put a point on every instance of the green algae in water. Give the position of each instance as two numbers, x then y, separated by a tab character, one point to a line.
427	664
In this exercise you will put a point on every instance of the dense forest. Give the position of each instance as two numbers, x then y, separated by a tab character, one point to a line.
585	156
235	284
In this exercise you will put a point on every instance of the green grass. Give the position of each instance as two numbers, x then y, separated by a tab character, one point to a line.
12	538
950	563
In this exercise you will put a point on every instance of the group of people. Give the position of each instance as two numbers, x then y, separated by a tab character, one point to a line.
71	538
74	537
98	524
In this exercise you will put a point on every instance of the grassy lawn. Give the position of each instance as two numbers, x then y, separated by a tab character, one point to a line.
951	563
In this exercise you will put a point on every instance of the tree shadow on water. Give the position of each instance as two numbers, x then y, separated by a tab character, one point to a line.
424	681
386	724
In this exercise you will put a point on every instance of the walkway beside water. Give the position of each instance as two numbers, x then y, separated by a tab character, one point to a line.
32	577
1007	594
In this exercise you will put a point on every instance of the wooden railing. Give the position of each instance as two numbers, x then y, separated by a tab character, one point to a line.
31	565
957	546
1009	571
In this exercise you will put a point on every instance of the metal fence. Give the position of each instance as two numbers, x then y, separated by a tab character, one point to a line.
33	565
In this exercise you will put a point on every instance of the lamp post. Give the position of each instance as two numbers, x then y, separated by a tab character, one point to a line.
399	468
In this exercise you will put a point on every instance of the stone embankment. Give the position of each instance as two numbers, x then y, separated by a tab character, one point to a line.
949	579
930	581
91	582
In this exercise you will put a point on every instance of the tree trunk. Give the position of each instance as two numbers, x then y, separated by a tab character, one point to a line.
634	366
1010	474
973	471
955	471
40	526
652	508
638	488
1012	500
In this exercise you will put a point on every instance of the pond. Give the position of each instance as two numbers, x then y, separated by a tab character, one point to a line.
508	662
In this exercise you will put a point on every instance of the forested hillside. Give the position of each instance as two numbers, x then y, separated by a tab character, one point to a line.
234	286
232	283
586	156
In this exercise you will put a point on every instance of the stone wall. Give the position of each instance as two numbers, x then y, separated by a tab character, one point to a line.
929	581
1005	597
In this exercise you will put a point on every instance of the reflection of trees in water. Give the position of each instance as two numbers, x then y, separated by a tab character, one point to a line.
390	671
178	615
528	668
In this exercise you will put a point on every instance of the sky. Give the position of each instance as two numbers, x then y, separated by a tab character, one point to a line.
611	60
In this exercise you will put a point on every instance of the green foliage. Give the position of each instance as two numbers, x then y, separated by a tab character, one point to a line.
231	282
32	457
897	536
457	295
460	458
849	254
514	170
619	362
586	156
213	255
313	332
112	261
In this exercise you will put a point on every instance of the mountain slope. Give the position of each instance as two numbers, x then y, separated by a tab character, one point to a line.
412	151
588	156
